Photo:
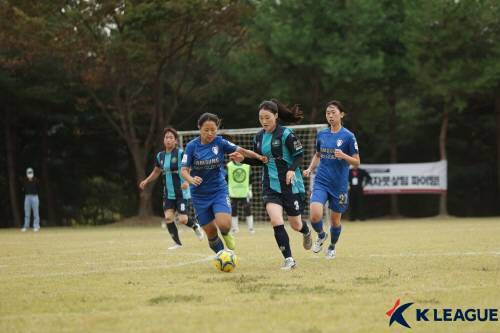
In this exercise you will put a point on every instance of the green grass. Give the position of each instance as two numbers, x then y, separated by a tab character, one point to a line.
119	279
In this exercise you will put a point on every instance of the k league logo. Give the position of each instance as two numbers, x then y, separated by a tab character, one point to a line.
396	313
451	315
215	150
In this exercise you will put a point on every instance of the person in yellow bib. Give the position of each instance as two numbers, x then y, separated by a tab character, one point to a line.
240	192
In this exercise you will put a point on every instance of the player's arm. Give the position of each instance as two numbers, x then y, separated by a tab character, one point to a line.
352	156
251	155
186	174
152	176
313	165
352	160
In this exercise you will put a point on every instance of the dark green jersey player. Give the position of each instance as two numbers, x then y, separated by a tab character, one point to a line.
282	185
175	190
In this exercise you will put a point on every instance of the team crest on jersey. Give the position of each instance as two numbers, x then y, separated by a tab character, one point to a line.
276	142
297	145
174	159
215	150
339	142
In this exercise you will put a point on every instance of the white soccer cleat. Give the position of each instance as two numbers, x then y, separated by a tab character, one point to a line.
251	231
163	225
319	243
330	253
175	247
289	264
36	230
197	230
23	230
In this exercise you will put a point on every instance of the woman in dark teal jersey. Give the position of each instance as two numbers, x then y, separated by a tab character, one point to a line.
336	149
202	167
175	190
283	188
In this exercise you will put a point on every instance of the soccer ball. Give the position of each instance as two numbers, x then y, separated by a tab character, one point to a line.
225	261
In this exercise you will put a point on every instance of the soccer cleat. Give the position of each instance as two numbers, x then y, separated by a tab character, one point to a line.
319	243
289	264
330	253
230	241
307	241
36	230
235	230
175	246
163	225
23	230
198	232
251	231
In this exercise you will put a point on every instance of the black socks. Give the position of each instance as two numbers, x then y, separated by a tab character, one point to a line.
282	240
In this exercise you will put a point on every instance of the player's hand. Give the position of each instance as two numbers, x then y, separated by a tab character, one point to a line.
196	181
306	172
142	185
340	154
236	157
290	177
185	185
263	159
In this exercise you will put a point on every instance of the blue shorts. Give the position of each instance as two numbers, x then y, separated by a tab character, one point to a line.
337	201
206	207
180	205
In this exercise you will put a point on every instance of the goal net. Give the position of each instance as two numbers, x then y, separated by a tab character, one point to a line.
244	137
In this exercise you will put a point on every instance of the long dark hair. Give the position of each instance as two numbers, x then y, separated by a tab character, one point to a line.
209	117
171	130
287	115
337	104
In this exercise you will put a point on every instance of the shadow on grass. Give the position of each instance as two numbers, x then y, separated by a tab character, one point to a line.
175	299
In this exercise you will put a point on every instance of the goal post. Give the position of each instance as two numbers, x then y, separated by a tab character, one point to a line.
244	137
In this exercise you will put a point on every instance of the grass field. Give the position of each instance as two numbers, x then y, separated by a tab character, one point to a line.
119	279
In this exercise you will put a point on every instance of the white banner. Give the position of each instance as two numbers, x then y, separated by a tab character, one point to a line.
407	178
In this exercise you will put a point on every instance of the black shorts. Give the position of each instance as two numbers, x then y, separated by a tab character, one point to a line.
246	206
180	205
292	203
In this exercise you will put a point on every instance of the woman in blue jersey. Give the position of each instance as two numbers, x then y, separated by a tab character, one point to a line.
336	149
202	167
176	189
283	187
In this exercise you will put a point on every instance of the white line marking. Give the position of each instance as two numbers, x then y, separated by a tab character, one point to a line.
121	269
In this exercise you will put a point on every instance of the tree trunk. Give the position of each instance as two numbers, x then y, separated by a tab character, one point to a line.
145	203
443	137
393	146
49	196
11	167
497	112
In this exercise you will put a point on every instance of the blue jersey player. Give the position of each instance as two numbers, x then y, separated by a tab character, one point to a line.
282	186
175	189
202	167
336	149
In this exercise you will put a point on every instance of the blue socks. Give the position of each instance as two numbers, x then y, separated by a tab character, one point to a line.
335	234
318	227
216	244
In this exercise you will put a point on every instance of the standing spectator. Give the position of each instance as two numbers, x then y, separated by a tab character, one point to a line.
358	178
31	201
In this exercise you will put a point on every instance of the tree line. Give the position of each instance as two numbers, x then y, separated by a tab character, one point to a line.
87	86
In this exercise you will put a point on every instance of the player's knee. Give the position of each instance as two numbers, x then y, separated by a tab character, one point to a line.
183	219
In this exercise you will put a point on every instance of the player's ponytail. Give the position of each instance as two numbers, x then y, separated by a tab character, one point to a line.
287	115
